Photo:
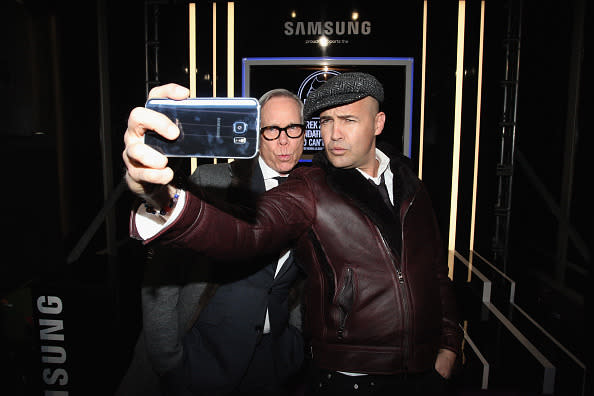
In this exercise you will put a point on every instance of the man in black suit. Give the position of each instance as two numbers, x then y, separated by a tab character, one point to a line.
226	329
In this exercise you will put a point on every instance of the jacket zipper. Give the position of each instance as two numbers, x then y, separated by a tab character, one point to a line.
405	325
400	276
344	313
405	342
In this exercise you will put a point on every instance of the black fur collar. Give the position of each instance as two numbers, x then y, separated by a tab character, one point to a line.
406	182
354	187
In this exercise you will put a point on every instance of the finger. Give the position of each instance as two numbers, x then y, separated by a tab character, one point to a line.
142	119
141	155
171	91
152	176
145	168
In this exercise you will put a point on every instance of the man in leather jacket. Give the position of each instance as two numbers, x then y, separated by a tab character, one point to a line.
380	313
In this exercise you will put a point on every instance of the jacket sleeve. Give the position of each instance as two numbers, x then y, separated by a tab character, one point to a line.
451	332
169	295
283	214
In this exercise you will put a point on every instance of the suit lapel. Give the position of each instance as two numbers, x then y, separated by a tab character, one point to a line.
285	267
257	183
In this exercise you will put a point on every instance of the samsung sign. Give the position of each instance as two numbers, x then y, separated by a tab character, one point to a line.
327	28
52	344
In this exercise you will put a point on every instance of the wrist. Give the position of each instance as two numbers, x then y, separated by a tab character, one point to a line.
162	200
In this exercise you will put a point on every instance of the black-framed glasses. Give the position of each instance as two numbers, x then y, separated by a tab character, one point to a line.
273	132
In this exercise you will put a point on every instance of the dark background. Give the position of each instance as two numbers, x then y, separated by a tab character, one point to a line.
69	71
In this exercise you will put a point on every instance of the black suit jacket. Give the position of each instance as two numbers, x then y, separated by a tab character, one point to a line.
209	351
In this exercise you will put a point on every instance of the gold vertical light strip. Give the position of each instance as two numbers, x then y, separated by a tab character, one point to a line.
457	129
192	69
214	49
230	48
423	64
192	40
479	93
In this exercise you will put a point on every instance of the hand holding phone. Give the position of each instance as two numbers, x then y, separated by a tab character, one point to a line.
209	127
144	167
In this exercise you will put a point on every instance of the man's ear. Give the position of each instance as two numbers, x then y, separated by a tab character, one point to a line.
380	120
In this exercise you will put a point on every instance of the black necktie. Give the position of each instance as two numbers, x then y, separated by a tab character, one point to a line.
383	190
393	233
280	179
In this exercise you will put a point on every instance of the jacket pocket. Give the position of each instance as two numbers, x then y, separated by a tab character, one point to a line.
344	300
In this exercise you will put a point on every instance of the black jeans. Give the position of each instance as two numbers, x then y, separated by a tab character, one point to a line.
322	382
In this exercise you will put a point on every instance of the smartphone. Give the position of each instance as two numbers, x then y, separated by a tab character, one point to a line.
209	127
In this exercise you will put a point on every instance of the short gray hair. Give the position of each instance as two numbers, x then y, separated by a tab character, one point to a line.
281	92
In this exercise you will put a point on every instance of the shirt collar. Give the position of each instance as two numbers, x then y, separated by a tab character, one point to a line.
267	172
384	164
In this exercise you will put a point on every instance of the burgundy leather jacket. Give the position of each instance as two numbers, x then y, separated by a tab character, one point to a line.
378	299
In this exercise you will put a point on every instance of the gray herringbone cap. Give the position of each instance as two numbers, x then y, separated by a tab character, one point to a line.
341	90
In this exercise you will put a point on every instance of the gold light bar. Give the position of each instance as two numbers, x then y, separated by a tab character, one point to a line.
230	48
230	52
192	70
214	49
457	128
424	60
479	90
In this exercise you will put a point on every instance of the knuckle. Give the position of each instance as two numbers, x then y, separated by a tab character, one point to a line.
154	92
135	114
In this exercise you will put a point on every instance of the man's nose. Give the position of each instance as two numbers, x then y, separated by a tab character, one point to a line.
283	138
336	133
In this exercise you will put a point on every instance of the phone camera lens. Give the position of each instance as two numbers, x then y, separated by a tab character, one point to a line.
239	127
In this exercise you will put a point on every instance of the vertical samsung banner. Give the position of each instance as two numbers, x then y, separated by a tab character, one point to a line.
76	338
51	332
75	352
304	75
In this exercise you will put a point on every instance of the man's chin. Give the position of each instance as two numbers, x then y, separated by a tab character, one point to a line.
339	161
285	167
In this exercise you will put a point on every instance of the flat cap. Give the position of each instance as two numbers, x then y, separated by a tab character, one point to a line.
342	89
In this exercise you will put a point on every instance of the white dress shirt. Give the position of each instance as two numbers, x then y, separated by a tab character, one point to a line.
384	168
